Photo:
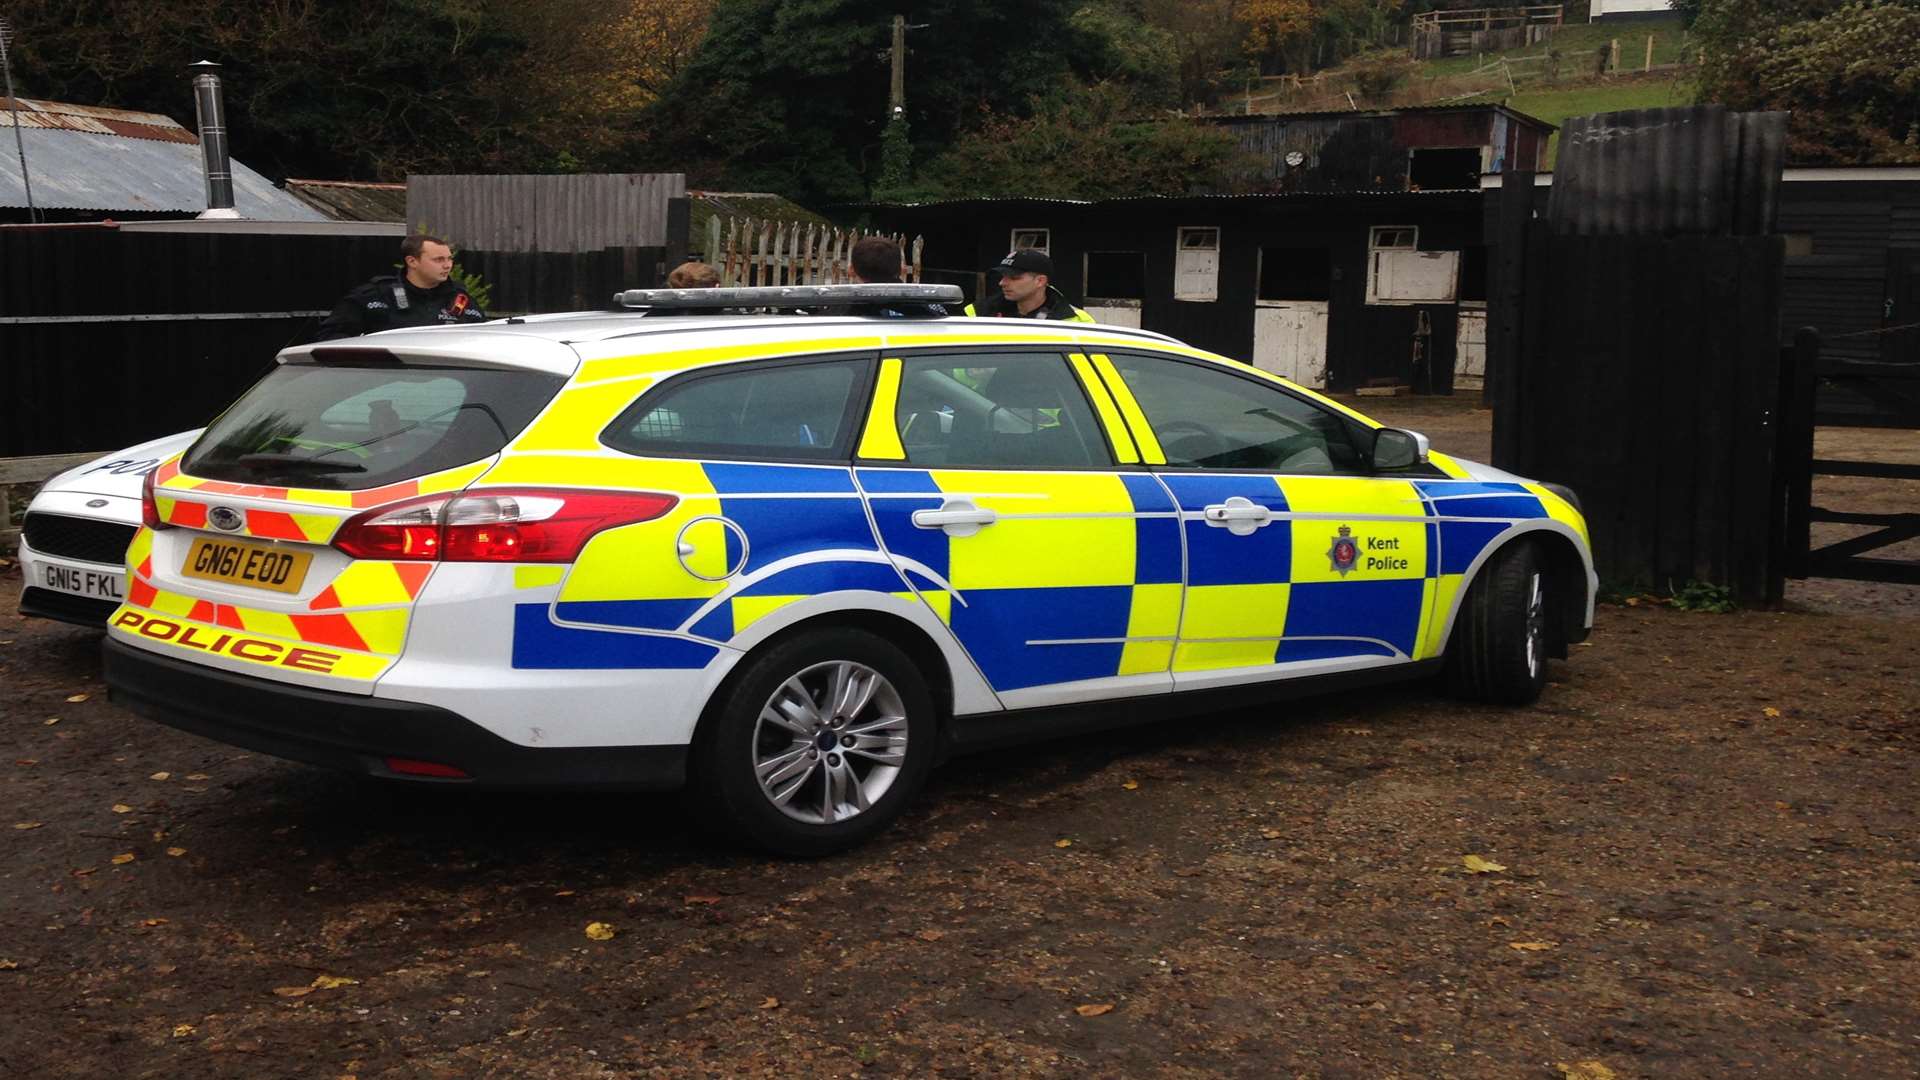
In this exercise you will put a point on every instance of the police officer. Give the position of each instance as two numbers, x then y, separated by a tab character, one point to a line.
1026	291
876	260
425	294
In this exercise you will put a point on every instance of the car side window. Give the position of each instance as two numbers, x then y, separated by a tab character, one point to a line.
997	410
1207	418
760	410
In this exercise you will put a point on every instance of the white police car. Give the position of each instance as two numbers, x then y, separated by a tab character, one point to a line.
790	562
73	541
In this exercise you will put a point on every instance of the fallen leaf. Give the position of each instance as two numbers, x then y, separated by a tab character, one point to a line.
83	871
1585	1070
1782	807
770	1003
1063	843
701	899
160	776
153	922
1270	834
181	1031
1633	601
176	852
1770	713
122	808
1530	946
1356	731
25	762
122	860
599	931
930	935
1131	785
332	982
52	720
1478	865
1093	1010
9	965
292	991
1619	779
198	776
28	824
564	892
77	698
1499	920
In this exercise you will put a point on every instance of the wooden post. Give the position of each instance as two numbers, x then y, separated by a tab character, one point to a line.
1793	457
1613	60
1649	66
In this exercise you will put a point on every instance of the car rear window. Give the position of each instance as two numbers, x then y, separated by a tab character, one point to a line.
351	427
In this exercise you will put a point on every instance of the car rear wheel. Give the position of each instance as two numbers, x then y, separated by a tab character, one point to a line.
1498	652
818	743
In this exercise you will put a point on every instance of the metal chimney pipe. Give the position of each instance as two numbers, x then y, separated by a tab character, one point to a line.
210	113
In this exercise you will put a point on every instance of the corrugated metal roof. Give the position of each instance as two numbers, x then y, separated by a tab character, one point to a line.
348	200
1254	196
60	115
1283	117
90	170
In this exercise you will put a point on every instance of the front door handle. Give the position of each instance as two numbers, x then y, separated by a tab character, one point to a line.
1239	516
956	517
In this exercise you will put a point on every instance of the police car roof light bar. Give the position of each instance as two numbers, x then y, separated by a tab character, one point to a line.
789	296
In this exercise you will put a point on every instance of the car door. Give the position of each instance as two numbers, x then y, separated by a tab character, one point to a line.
996	486
1299	560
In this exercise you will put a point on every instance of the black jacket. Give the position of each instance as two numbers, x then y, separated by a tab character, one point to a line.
391	301
996	306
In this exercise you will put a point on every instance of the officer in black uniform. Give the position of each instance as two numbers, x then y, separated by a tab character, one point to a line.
424	295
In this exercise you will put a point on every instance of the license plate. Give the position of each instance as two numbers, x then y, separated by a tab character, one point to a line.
101	585
255	565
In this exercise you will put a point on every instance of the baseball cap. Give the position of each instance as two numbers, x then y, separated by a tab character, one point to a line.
1026	261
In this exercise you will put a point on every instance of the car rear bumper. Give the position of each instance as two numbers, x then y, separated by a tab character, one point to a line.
358	734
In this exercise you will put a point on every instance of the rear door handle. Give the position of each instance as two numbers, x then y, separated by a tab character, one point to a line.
956	517
1239	516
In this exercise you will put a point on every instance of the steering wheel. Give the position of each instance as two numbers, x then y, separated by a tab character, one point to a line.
1189	441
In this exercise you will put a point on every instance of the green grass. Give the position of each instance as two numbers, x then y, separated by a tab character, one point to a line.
1554	106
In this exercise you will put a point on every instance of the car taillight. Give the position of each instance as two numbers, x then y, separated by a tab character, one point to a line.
517	525
150	510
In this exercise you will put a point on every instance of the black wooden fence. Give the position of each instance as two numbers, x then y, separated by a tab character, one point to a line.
1646	377
112	336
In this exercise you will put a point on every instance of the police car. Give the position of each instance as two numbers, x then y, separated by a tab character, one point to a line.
73	540
792	561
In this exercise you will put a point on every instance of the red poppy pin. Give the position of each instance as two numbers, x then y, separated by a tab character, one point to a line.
460	304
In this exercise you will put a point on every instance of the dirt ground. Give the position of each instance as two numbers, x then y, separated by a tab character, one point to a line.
1704	846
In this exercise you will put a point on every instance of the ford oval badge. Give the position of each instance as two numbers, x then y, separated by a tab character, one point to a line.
224	517
95	504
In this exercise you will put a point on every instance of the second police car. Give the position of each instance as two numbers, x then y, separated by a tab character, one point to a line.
792	561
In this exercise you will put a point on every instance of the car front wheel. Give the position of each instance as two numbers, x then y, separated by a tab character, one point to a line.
1498	652
818	743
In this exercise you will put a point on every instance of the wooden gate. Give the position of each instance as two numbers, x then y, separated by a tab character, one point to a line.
748	251
1819	392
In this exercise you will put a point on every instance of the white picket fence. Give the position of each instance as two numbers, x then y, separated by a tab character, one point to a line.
749	251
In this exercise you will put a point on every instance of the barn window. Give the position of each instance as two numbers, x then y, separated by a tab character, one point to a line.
1399	273
1037	239
1196	263
1438	168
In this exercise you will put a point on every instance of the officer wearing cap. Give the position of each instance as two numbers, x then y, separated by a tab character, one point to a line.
1027	292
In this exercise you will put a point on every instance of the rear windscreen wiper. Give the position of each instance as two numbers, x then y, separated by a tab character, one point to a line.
298	464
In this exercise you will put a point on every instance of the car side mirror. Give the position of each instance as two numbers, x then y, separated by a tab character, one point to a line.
1397	449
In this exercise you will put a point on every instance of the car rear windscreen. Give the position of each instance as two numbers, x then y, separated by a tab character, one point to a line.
352	427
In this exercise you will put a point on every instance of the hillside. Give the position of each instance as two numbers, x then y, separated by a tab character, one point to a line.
1573	75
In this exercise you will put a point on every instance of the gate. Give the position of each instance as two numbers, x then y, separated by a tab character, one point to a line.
1819	392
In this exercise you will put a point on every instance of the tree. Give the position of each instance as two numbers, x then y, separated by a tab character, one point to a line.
1091	143
373	88
791	95
1850	74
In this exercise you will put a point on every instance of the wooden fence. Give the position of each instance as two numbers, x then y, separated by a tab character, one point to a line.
1469	32
749	251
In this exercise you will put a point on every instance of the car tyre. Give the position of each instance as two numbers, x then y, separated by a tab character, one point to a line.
816	744
1498	652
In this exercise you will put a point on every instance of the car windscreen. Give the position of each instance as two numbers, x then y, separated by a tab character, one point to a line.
351	427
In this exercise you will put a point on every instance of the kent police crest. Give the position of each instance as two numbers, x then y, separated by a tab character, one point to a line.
1345	552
